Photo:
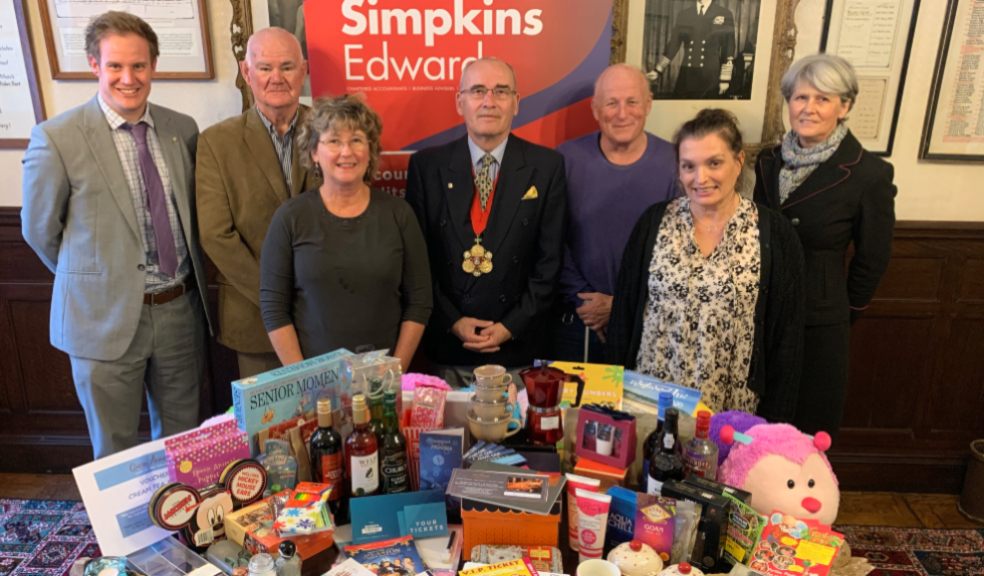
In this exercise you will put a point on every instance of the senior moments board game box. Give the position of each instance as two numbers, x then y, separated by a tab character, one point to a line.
266	399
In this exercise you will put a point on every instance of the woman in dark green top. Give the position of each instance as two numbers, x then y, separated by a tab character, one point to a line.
344	265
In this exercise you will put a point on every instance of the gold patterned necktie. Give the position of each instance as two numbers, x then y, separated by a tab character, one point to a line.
483	180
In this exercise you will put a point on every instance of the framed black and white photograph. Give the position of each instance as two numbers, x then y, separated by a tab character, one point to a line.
701	49
954	126
20	101
746	45
181	27
875	36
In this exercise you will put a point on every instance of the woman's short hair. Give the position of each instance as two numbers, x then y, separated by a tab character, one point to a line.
344	112
711	121
828	73
114	22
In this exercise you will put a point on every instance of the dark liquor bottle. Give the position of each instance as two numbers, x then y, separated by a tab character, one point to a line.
650	445
700	457
667	463
326	457
376	413
393	452
361	452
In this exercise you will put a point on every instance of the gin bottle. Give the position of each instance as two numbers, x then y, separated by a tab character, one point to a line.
700	457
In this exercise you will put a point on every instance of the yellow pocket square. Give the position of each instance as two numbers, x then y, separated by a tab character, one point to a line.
531	194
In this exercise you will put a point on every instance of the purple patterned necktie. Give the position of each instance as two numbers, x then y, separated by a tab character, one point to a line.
156	201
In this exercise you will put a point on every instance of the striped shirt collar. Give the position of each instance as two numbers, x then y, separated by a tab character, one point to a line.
273	129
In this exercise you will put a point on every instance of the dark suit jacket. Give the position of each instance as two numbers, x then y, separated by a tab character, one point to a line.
849	198
239	186
524	235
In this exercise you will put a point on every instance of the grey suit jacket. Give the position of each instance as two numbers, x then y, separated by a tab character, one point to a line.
239	186
79	217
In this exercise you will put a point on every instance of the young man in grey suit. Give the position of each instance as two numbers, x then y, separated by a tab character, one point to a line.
247	167
108	207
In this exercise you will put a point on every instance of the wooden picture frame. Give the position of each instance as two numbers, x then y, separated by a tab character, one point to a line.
947	137
876	38
182	29
21	106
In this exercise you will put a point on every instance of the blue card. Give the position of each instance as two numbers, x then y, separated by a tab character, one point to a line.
424	520
377	517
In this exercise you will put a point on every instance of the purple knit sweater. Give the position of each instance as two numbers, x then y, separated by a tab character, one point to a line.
603	203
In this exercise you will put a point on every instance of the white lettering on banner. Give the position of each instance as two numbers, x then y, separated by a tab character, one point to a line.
432	23
383	68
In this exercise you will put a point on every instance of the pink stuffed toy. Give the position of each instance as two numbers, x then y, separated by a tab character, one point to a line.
784	469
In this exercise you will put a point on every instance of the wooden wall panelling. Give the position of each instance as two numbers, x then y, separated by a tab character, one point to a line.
916	392
42	426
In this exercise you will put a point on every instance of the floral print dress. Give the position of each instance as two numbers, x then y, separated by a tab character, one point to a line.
699	323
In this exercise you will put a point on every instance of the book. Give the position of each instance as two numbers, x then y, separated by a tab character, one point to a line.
440	453
644	389
271	397
348	568
521	567
396	556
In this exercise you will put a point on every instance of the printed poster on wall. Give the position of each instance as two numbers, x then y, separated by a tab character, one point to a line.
406	56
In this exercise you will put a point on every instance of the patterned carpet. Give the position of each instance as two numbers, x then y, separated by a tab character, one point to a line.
43	537
918	552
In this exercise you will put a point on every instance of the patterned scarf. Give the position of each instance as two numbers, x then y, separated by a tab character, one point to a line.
799	162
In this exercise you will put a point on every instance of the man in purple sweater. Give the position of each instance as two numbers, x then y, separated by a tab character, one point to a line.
613	175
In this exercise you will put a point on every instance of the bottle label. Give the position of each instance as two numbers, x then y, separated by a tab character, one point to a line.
394	470
365	474
669	440
654	486
331	473
699	464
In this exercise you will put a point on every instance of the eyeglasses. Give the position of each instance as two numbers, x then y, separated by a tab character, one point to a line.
479	92
336	145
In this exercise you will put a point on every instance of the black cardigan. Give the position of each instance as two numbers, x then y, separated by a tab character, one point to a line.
777	353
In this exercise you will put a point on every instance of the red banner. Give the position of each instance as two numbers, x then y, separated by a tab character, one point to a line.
406	56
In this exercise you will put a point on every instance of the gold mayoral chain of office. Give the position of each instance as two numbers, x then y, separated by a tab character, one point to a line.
478	260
